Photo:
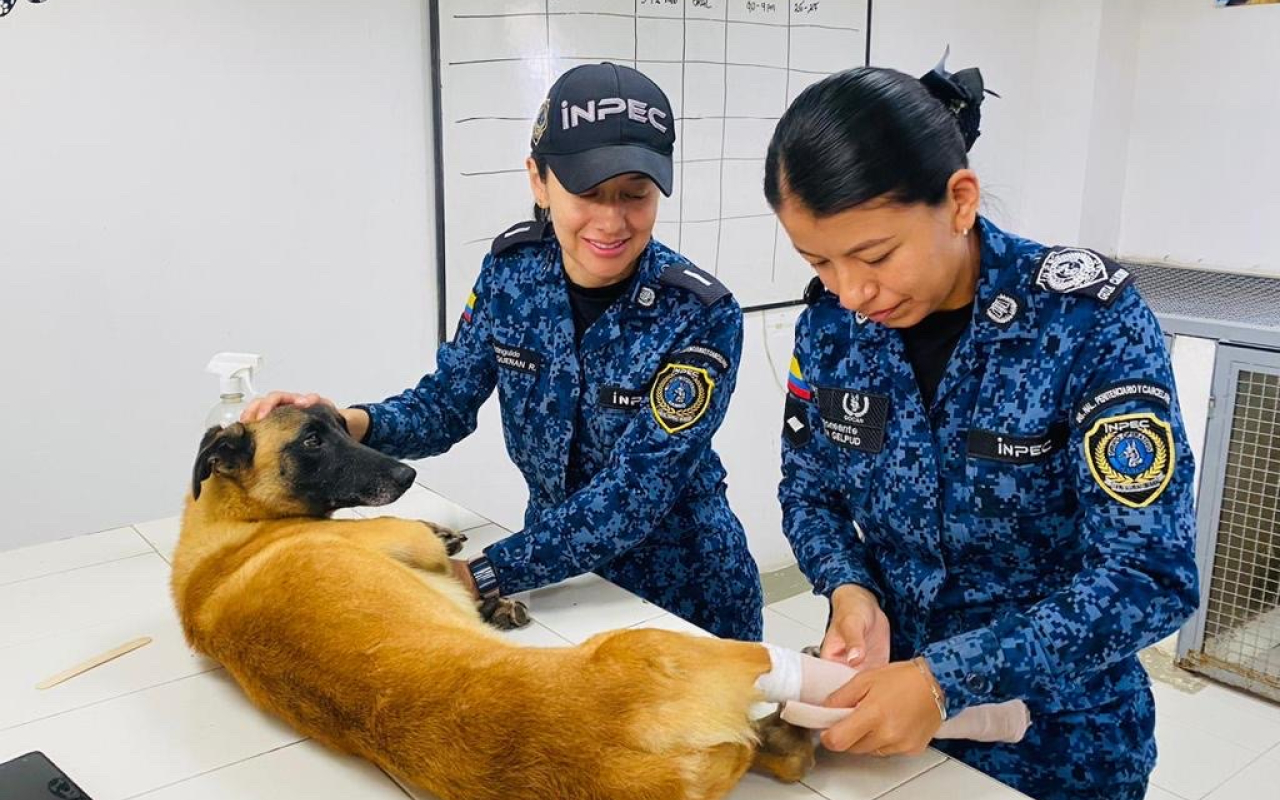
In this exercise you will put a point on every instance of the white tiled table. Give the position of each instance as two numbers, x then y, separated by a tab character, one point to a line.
164	724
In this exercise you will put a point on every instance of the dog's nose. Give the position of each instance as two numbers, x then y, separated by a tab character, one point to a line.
403	476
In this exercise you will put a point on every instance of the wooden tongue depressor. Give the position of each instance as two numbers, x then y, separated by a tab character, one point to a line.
96	661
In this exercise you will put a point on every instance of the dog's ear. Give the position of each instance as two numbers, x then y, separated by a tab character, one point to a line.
222	449
202	468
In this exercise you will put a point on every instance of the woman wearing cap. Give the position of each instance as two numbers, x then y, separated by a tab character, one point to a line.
614	360
984	466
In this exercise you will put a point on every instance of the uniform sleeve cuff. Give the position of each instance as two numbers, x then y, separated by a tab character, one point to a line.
370	436
968	668
838	570
510	559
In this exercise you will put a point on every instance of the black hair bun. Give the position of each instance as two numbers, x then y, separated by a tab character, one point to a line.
962	94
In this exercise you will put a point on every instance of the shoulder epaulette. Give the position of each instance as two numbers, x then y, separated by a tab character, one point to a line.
1074	270
520	233
705	286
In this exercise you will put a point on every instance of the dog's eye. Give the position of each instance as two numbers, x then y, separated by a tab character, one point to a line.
312	440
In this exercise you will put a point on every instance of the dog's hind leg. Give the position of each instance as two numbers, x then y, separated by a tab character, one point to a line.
785	751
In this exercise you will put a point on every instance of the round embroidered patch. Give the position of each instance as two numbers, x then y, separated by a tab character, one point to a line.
1003	309
1070	270
1131	456
680	396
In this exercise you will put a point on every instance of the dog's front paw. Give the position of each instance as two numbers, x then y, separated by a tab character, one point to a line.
504	614
453	541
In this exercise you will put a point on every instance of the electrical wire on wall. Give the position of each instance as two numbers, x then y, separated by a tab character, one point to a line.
774	372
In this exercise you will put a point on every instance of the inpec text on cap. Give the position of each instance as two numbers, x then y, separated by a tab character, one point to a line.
599	110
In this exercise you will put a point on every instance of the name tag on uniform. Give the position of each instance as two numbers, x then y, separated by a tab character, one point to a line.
855	437
517	358
622	399
855	420
1016	449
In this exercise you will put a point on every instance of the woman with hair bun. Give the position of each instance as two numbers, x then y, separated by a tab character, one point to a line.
984	463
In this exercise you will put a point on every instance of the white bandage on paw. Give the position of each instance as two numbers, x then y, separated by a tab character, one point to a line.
796	676
819	678
994	722
785	680
808	715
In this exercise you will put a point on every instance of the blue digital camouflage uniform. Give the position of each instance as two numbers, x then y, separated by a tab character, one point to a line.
612	437
1029	532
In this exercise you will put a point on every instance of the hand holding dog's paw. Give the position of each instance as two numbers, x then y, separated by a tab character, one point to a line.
504	613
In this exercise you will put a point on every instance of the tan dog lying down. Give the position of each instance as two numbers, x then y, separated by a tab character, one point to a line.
355	633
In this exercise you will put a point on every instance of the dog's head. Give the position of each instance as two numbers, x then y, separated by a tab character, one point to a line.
298	462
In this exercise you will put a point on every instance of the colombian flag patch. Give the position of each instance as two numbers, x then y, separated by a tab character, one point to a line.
471	306
796	383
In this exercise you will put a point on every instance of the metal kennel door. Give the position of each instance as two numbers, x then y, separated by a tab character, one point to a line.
1235	635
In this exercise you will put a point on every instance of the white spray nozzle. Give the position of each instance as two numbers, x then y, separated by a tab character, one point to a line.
235	371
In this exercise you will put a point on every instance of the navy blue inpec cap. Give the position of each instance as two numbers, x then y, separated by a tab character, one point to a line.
604	120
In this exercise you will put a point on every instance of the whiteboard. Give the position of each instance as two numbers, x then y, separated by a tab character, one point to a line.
730	68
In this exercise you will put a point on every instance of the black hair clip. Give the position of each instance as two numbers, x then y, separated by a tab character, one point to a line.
7	5
961	93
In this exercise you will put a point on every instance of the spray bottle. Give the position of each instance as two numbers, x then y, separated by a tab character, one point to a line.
234	371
